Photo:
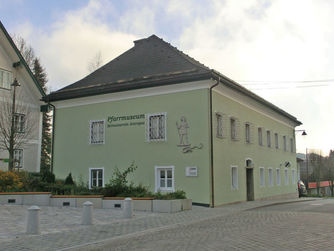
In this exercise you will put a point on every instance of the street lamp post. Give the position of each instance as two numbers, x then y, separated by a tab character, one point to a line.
12	129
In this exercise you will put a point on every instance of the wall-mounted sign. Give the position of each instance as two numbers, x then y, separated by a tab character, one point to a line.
118	121
191	171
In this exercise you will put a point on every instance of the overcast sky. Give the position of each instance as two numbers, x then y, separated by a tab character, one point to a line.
279	49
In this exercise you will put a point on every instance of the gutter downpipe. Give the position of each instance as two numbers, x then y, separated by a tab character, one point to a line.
53	133
211	146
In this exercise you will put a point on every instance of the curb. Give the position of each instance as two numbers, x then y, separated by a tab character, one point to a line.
280	203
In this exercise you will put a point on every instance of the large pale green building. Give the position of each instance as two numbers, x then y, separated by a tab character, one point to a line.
186	127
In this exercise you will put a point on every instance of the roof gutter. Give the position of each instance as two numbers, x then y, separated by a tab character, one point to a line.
212	187
53	134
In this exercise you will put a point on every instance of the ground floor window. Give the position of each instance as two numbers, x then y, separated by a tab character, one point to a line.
18	158
96	177
261	176
164	178
293	176
278	177
270	177
286	177
234	176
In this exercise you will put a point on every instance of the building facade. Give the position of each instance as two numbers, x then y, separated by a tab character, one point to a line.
27	115
185	126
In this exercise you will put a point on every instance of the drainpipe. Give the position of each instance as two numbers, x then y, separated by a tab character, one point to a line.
211	146
53	134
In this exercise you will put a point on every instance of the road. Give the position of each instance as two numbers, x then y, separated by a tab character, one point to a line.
307	225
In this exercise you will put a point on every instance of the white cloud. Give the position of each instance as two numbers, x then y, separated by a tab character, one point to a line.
244	40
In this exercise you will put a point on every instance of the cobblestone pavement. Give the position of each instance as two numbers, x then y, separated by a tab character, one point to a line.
233	226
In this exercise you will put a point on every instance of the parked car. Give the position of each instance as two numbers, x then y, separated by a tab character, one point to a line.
301	188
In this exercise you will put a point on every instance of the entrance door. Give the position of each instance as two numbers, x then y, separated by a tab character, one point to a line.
250	184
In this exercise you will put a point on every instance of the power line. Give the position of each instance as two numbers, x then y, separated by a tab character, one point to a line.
261	82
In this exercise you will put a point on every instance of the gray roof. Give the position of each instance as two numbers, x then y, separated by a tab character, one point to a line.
151	62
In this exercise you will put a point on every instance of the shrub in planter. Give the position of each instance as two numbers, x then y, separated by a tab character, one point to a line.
179	194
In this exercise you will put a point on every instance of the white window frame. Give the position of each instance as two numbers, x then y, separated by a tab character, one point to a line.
90	175
268	138
293	176
233	126
286	177
262	177
270	177
19	122
148	129
91	122
219	122
278	177
9	79
247	133
157	170
18	153
276	141
234	178
260	136
284	144
291	145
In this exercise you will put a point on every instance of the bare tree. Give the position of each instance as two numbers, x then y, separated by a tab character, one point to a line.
96	62
17	125
25	49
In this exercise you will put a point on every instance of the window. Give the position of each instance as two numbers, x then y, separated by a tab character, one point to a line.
233	129
247	133
284	143
262	177
286	177
6	79
270	177
234	176
293	176
268	139
219	118
96	177
259	130
18	158
19	122
164	179
156	127
278	177
276	140
97	132
291	145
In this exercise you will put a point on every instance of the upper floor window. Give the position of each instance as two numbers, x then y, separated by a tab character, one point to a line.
156	127
276	140
291	145
247	133
234	128
19	122
268	139
6	79
97	132
284	143
219	119
262	182
259	131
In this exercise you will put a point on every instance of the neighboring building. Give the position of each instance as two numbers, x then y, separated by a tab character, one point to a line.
186	127
28	101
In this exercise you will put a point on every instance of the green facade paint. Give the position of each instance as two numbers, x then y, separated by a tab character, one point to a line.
125	142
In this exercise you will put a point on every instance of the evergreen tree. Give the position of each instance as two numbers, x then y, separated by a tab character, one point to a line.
41	76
